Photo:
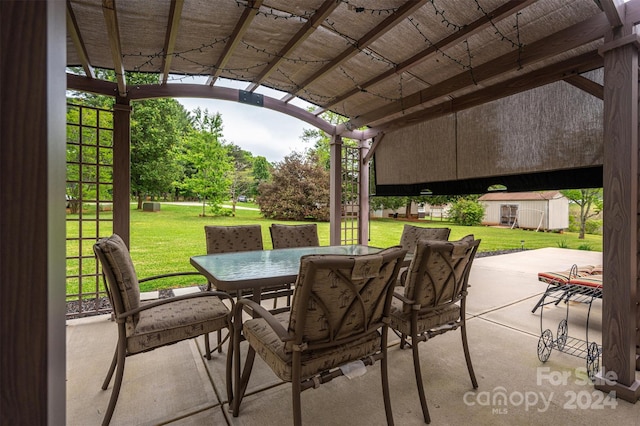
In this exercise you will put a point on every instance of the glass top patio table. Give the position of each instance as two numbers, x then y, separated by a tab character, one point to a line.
263	268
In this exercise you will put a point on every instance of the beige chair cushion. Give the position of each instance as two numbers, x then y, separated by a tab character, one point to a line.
411	234
333	298
227	239
119	259
285	236
273	351
176	321
401	320
435	278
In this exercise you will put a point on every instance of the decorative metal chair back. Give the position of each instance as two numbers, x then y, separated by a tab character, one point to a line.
285	236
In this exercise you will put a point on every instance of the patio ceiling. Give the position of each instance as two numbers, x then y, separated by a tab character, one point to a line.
384	64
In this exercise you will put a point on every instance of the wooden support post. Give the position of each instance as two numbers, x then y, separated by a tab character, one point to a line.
335	190
122	168
363	193
621	198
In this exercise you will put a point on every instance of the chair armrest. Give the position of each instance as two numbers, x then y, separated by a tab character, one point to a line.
160	302
260	311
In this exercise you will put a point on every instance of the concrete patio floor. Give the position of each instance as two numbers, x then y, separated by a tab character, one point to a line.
175	385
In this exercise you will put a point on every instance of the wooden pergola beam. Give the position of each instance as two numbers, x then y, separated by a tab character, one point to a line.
612	9
387	24
564	40
175	12
507	9
587	85
307	29
111	19
74	32
250	12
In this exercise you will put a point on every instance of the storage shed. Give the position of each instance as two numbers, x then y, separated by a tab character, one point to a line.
545	211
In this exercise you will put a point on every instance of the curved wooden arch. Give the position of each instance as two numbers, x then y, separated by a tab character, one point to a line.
151	91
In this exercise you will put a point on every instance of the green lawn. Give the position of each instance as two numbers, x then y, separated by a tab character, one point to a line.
163	241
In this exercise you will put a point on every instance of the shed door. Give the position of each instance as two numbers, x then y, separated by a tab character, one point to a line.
508	214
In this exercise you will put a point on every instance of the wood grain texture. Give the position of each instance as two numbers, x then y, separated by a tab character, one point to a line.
620	245
32	213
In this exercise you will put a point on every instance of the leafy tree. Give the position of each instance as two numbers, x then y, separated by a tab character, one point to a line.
241	179
207	163
261	173
157	127
299	190
590	202
467	212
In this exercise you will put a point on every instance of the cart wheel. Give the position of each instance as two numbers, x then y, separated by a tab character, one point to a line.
562	334
545	343
593	359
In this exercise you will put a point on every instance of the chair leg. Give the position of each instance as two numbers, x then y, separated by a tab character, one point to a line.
296	389
116	386
385	380
418	373
467	356
229	370
241	382
207	347
403	340
112	368
220	341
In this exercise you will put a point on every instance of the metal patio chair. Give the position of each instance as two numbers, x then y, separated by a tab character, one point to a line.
434	299
339	315
144	326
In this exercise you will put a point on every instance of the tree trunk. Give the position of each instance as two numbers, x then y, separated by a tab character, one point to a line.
139	201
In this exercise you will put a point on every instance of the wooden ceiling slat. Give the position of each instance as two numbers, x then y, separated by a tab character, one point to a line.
554	44
589	86
307	29
111	19
549	74
242	26
507	9
173	24
74	33
386	25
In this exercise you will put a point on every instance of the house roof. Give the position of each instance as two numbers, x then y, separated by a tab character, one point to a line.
383	64
521	196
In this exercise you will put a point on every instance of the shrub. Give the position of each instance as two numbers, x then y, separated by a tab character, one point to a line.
466	212
563	244
586	247
593	226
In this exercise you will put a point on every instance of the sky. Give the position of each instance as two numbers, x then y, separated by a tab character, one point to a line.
260	131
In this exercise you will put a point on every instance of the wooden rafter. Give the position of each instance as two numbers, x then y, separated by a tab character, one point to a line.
111	19
376	143
74	33
241	27
549	74
307	29
554	44
507	9
386	25
173	24
587	85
